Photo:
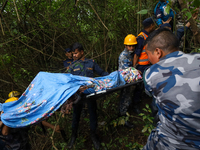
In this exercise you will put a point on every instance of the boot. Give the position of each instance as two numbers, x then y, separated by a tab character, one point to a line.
73	139
95	141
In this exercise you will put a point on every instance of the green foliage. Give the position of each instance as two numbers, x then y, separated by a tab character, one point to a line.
196	3
120	121
148	120
144	11
36	35
186	13
168	7
36	41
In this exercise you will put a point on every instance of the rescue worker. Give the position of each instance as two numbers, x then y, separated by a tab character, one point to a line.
179	34
17	138
161	14
125	61
69	60
84	67
173	80
10	138
140	59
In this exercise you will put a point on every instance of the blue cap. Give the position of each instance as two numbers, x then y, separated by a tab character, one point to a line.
148	21
166	25
68	50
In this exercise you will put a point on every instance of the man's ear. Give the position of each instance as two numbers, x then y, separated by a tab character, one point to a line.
82	52
159	53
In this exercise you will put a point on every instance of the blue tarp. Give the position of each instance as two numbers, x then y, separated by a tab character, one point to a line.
47	92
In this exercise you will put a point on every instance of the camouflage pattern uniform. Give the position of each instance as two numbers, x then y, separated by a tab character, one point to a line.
175	84
125	61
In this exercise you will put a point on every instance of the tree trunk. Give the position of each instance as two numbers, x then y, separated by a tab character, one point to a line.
193	25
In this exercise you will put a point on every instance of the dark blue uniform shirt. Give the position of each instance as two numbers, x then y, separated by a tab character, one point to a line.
86	68
67	62
180	32
140	43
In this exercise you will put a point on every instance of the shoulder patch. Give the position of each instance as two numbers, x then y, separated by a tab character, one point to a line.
158	15
90	68
141	36
76	69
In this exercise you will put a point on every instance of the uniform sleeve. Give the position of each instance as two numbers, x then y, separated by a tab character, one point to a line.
123	62
98	70
139	47
180	32
148	89
70	69
64	64
120	62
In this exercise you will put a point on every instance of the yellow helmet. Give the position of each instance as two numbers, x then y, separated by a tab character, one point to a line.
130	40
11	99
14	94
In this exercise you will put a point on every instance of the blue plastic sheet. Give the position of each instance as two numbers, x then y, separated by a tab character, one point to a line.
47	92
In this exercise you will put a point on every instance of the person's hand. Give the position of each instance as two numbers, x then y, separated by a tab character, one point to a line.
195	16
140	72
168	20
82	89
68	108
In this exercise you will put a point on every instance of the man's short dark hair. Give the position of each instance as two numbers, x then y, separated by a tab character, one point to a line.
164	39
77	46
148	22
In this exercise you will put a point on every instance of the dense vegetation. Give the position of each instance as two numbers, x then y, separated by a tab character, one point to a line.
33	37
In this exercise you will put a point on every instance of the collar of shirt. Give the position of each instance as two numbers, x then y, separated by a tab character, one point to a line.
80	61
127	51
68	59
147	33
173	54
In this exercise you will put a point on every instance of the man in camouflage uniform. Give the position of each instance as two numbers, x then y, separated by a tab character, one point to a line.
174	81
125	61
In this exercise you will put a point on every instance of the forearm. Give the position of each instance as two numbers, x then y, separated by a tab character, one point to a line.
46	124
5	130
135	60
1	124
187	24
